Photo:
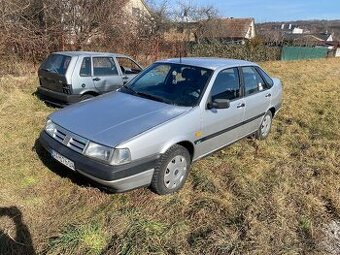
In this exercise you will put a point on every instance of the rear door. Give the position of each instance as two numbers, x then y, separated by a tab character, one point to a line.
52	72
105	74
129	68
221	126
82	79
257	98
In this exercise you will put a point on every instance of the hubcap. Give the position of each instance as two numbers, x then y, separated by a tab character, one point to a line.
265	127
175	172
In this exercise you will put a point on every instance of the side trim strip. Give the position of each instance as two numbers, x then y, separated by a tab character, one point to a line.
228	129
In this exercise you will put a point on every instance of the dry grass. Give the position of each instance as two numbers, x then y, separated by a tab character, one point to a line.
279	196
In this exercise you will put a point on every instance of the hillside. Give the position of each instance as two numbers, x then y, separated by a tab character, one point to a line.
314	26
279	196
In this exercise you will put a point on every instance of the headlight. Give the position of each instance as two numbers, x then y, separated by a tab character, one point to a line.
50	127
121	156
107	154
98	151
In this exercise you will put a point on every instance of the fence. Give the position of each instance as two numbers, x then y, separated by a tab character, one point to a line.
297	53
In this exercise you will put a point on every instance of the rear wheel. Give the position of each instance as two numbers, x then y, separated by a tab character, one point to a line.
171	171
265	126
86	97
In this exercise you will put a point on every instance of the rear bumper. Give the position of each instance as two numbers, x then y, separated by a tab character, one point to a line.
57	98
120	178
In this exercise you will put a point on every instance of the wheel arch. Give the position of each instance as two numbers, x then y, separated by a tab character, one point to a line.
90	92
272	110
183	142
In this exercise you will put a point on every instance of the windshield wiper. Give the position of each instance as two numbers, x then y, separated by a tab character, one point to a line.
145	95
129	89
153	97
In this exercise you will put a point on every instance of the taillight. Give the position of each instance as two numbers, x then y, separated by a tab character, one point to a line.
67	89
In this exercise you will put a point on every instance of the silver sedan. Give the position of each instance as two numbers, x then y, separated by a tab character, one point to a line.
175	112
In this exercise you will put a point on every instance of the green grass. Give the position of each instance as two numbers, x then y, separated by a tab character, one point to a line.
277	196
86	238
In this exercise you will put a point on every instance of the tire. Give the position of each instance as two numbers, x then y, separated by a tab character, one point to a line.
86	97
265	127
171	170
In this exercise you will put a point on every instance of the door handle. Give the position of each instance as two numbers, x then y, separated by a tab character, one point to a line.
241	105
268	95
96	79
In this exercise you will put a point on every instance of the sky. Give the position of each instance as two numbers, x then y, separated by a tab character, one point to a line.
272	10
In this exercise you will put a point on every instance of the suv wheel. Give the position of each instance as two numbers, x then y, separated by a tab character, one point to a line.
171	171
265	126
86	97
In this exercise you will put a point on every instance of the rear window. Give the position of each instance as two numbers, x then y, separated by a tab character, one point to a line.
56	63
266	77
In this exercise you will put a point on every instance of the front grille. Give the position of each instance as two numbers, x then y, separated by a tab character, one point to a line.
70	140
59	135
77	145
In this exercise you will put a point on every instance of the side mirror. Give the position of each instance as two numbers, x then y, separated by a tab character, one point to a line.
219	104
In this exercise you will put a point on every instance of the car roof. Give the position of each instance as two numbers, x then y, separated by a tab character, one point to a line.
88	53
209	63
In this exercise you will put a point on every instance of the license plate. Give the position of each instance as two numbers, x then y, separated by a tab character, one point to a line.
65	161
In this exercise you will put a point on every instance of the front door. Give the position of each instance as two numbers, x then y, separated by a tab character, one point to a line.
221	126
129	68
105	74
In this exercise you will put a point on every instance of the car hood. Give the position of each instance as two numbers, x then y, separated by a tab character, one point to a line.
114	117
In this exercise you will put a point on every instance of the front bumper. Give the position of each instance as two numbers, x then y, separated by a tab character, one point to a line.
120	178
57	98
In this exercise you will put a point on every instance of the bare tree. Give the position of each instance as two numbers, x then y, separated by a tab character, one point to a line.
40	25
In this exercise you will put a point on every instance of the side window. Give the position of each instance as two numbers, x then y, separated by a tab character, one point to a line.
85	69
252	81
103	66
226	85
128	66
266	77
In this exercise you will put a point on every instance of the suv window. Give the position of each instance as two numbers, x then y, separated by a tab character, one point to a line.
226	85
252	81
56	63
104	66
128	66
85	69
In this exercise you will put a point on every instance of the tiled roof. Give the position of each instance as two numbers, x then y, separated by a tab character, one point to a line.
228	28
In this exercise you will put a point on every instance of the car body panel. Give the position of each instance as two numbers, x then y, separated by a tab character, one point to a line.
130	116
161	138
215	121
85	83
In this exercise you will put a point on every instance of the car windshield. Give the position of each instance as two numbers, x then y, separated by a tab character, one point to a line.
56	63
175	84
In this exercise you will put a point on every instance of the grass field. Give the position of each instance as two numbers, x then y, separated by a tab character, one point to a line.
279	196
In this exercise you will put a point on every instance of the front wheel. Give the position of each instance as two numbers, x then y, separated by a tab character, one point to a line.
265	126
171	171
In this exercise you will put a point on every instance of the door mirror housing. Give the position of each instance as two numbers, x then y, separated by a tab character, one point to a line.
219	104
